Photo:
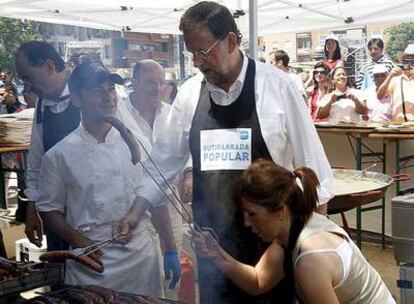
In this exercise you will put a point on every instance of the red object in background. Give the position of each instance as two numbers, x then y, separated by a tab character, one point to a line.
186	291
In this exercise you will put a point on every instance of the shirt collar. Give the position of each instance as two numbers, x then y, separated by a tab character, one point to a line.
64	95
110	137
136	111
224	98
62	104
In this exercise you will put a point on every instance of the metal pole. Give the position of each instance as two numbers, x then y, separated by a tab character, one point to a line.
253	29
181	57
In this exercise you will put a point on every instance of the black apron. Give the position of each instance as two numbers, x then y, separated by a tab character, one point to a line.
213	204
55	126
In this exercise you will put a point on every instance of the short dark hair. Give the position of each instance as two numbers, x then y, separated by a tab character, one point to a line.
377	41
337	53
216	17
282	55
37	52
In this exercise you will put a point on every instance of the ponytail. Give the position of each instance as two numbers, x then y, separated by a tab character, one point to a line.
307	183
271	186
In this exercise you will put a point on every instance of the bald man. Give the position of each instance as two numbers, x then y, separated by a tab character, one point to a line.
149	114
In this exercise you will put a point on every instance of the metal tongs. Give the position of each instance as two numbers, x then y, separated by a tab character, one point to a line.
95	247
185	215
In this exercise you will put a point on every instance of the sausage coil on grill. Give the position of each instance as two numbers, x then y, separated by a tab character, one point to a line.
79	296
107	295
63	255
127	136
148	300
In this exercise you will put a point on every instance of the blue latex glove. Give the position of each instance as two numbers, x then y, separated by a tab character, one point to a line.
172	264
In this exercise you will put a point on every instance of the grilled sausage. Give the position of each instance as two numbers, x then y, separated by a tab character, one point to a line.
97	299
108	295
78	296
126	300
148	300
63	255
127	136
46	300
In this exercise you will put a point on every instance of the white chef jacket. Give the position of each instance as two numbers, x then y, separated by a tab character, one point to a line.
286	126
343	109
36	151
94	185
298	81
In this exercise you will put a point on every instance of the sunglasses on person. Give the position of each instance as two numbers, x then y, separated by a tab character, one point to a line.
320	72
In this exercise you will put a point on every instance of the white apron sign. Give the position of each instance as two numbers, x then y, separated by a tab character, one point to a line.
225	149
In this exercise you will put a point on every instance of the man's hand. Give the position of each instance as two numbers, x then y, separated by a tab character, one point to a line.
172	264
33	225
186	188
124	229
395	72
79	240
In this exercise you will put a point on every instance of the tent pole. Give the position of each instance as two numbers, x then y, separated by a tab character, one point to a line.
253	29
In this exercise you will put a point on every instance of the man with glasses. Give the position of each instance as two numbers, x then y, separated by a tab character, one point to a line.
233	112
399	85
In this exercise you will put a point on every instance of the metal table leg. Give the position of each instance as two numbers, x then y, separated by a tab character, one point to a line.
384	170
358	150
3	201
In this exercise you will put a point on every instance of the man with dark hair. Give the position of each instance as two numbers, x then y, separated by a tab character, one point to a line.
40	67
281	61
365	78
76	201
233	112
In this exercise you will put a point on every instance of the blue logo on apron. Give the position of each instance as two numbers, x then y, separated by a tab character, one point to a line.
244	135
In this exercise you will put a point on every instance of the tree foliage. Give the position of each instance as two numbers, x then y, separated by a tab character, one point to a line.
13	32
400	36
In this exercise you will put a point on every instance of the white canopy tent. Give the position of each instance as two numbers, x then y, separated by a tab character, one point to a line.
162	16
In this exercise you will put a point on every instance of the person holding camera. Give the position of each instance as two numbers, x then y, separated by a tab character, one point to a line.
343	103
399	85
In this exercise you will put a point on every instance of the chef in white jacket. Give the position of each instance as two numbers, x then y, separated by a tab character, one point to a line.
87	191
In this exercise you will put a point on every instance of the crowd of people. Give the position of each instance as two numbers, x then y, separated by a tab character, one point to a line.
382	91
229	143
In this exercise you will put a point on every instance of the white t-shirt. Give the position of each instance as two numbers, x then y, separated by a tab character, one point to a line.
344	108
379	109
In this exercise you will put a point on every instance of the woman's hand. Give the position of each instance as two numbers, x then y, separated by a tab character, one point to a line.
206	245
334	98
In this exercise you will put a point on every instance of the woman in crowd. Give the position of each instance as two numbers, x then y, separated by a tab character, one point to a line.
343	103
320	87
332	51
365	77
327	266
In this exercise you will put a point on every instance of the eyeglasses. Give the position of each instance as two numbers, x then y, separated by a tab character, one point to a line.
203	54
320	72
